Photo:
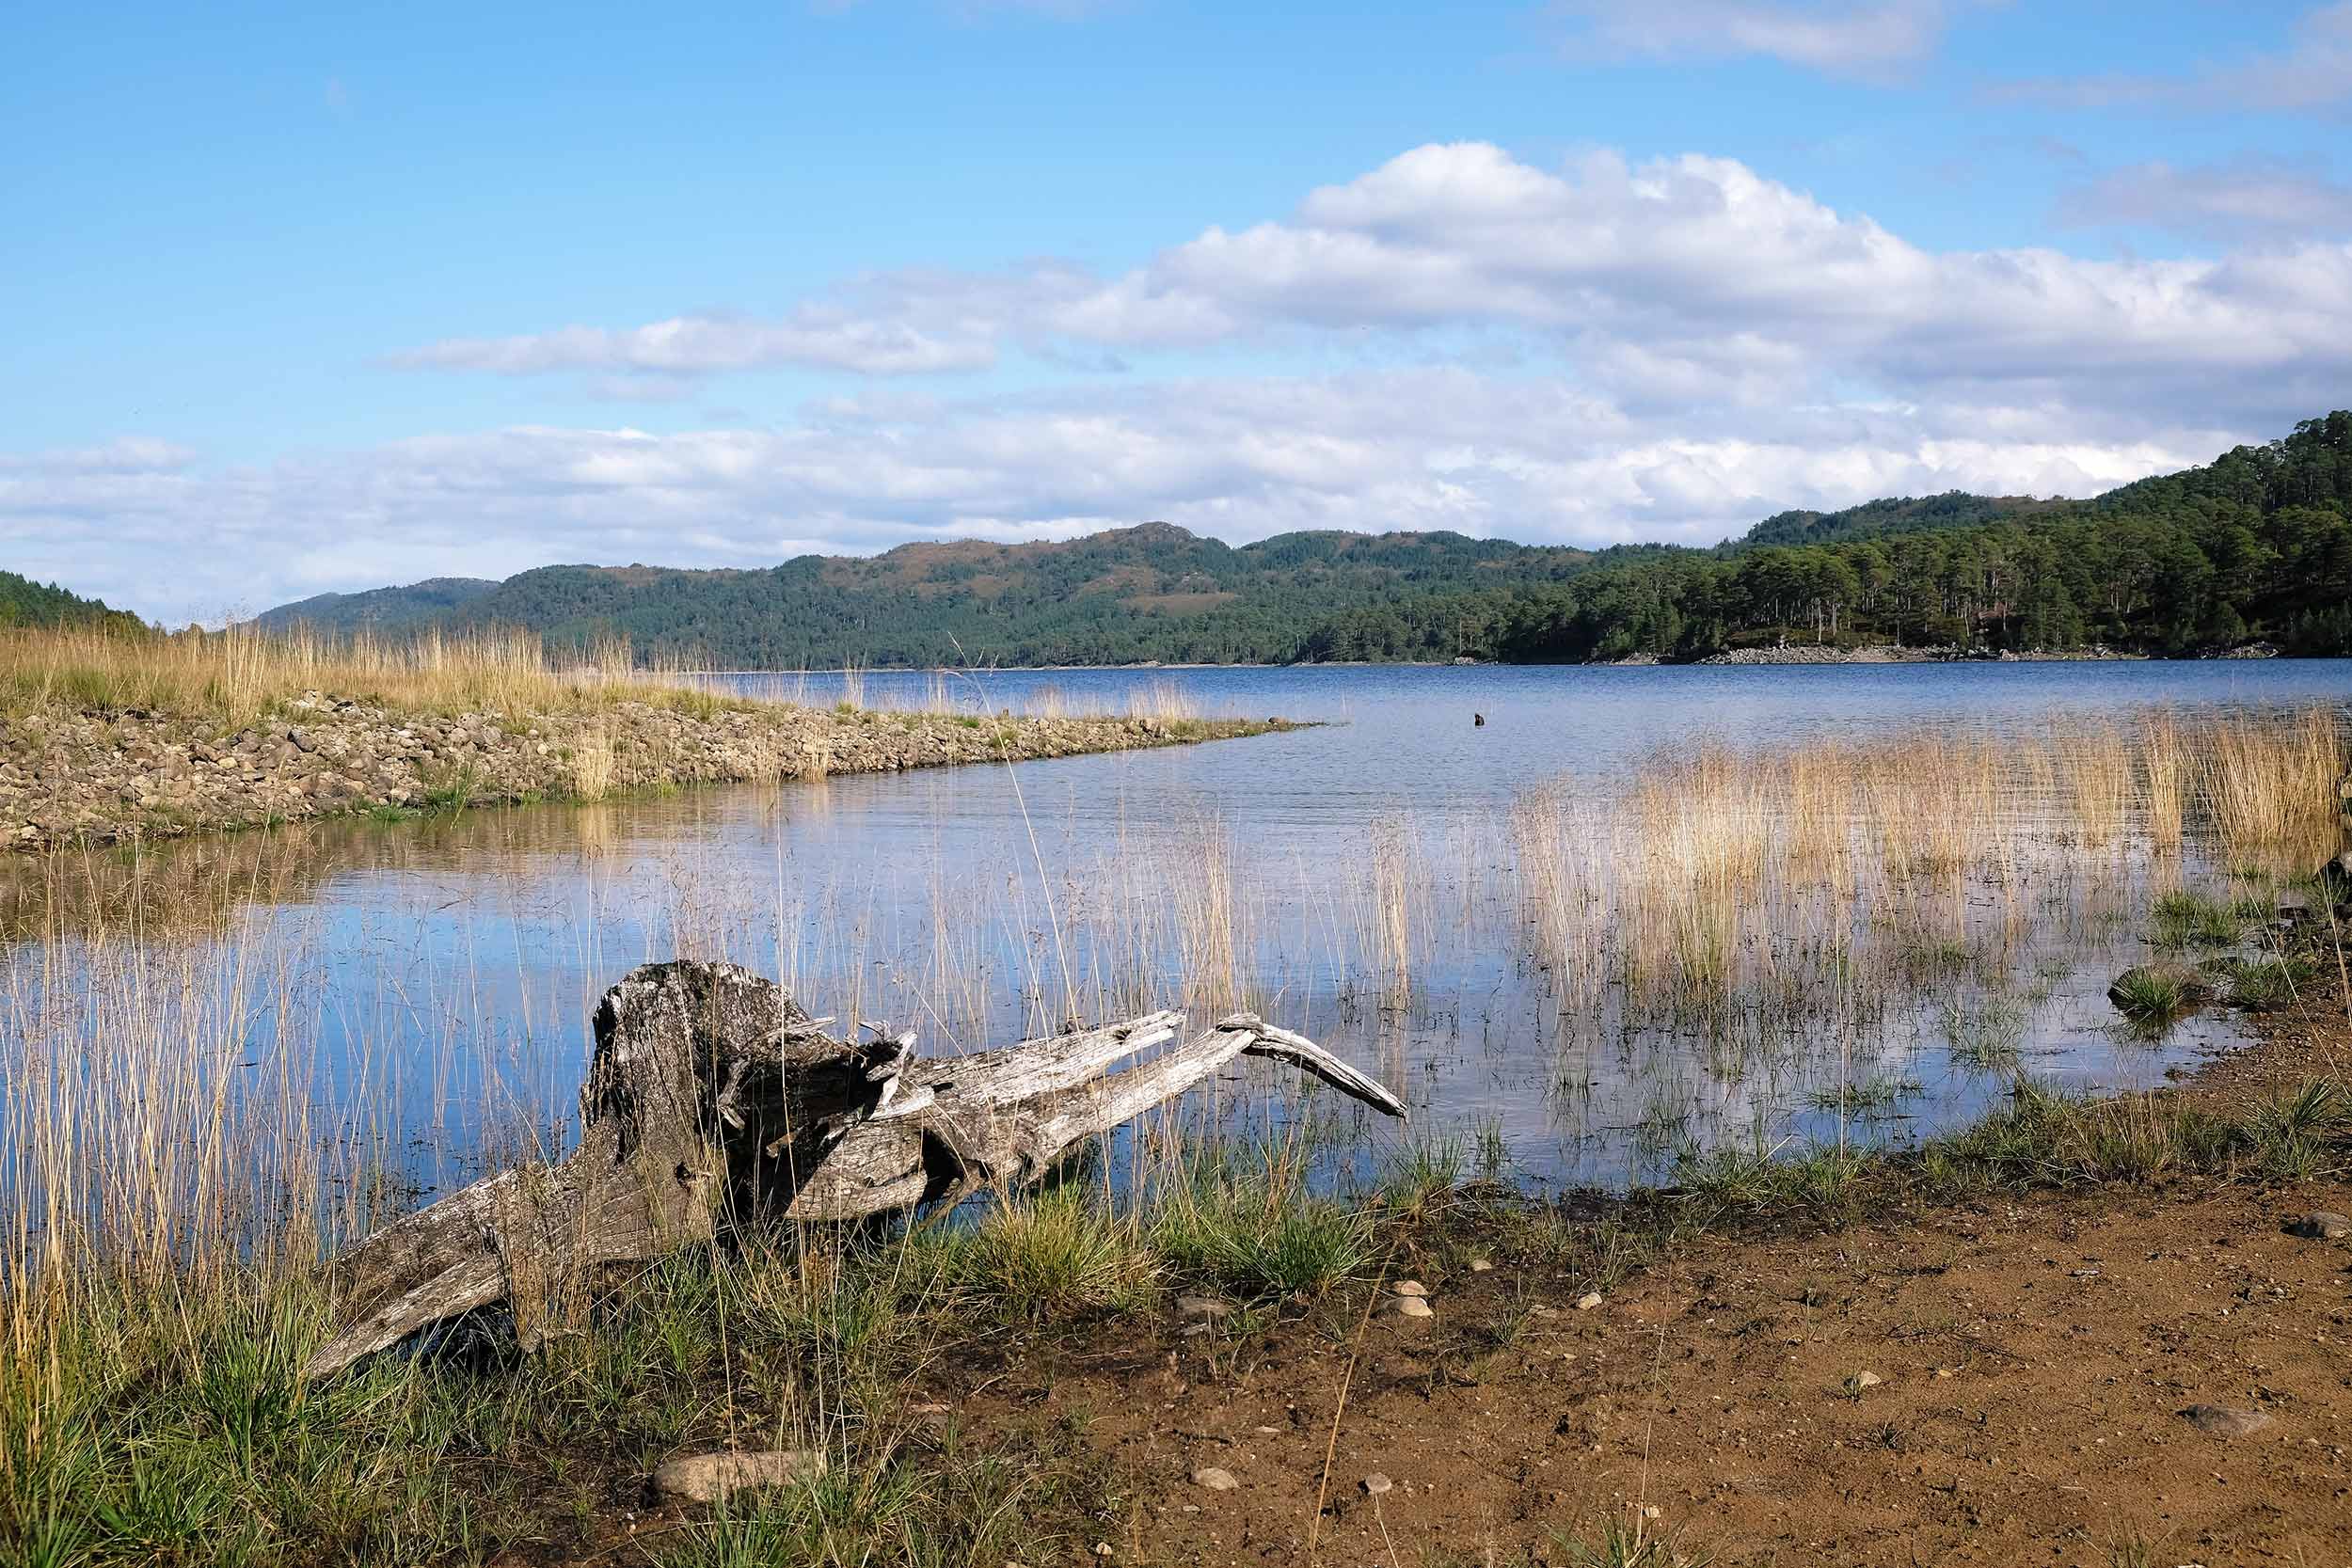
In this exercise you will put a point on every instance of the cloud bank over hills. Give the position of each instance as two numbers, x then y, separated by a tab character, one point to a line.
1581	351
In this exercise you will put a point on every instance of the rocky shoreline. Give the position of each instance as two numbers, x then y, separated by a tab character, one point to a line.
1890	654
92	778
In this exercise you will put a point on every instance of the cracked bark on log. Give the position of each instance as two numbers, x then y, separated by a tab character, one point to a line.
711	1093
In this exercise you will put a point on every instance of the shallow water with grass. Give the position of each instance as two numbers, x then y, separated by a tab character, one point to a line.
1634	918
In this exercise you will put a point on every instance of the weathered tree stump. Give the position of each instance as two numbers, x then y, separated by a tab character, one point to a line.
711	1096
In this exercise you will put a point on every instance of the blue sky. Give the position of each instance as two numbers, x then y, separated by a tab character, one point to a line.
300	300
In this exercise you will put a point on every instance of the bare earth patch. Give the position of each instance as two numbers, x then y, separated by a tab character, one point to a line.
2004	1382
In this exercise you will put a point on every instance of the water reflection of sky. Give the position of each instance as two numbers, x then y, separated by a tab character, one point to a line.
445	968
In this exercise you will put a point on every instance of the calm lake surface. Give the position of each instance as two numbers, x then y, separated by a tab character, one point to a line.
443	969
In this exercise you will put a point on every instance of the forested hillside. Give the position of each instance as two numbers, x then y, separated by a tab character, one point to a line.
379	609
1154	591
2256	544
27	603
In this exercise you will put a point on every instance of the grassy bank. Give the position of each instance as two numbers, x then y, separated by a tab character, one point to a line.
240	676
148	1420
107	738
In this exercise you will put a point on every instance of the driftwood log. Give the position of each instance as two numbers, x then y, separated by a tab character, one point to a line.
712	1095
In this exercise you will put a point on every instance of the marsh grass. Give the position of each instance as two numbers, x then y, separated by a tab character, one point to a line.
1251	1224
591	764
2187	919
2156	992
242	674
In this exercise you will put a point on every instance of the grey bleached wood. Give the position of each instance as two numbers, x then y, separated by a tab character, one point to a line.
710	1093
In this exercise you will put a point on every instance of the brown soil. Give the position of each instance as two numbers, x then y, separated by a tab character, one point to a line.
2034	1361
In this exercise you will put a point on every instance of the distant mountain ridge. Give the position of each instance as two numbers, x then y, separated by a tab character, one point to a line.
378	608
2255	545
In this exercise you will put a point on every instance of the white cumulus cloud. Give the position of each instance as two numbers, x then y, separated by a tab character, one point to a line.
1585	352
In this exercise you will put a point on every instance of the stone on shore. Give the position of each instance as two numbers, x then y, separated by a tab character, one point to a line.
708	1478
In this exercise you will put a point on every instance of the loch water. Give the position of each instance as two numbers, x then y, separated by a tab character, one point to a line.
437	974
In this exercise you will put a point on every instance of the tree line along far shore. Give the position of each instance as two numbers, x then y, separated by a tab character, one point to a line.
2253	548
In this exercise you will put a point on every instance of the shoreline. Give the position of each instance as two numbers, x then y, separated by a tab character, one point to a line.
83	777
1884	653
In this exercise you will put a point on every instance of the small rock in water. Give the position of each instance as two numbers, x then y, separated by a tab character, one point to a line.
1480	1265
1588	1301
1410	1288
1375	1483
2222	1421
2324	1225
1410	1307
1202	1307
707	1478
1214	1479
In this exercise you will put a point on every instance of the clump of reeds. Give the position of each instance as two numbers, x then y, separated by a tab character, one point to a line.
2155	992
2095	768
2270	779
2165	777
593	763
1162	701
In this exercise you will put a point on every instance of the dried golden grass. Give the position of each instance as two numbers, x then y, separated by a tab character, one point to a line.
2266	779
241	674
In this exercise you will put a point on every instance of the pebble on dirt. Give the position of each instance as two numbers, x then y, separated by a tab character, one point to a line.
1214	1479
1588	1301
1411	1306
2222	1421
708	1477
2324	1225
1375	1483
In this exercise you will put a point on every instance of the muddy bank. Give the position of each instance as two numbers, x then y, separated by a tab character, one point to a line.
2138	1372
98	778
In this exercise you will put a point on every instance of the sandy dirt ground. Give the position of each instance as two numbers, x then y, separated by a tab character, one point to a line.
2005	1382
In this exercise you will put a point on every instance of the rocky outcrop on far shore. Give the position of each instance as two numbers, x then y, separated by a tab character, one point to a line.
1884	653
100	778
